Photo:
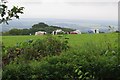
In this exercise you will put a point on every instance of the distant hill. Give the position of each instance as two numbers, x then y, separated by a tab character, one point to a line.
41	26
82	25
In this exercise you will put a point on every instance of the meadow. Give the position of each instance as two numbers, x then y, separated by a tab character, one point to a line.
61	57
74	40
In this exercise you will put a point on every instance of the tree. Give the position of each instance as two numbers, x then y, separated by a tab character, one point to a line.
6	15
15	32
40	25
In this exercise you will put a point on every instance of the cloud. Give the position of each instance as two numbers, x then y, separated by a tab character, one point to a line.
24	2
92	3
91	0
69	9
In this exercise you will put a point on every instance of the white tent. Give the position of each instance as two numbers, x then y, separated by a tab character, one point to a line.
94	30
76	31
57	31
40	33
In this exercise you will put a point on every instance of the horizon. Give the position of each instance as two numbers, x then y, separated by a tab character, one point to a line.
66	13
82	25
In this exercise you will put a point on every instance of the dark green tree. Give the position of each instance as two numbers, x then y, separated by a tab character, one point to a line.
40	25
15	32
6	15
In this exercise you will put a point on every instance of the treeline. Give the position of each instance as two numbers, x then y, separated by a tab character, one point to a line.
36	27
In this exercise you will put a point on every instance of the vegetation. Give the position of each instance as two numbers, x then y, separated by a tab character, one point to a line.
74	40
74	57
36	27
80	57
35	50
6	15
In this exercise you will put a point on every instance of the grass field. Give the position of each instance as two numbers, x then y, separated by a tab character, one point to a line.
74	40
95	54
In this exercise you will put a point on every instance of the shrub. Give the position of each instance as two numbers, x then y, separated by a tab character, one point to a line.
16	72
90	62
73	64
35	49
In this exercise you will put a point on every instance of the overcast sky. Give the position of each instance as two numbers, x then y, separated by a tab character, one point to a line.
69	9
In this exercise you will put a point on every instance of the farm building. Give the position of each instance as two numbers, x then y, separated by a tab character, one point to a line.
40	33
75	32
58	31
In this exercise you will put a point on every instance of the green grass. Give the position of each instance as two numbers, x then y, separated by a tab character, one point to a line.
74	40
12	40
77	40
91	51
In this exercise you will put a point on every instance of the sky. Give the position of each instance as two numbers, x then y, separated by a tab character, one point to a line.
68	9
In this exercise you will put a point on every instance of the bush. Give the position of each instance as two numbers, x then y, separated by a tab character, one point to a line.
73	64
89	62
35	49
16	72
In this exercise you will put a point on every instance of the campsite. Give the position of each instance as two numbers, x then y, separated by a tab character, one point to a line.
59	40
44	52
52	52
